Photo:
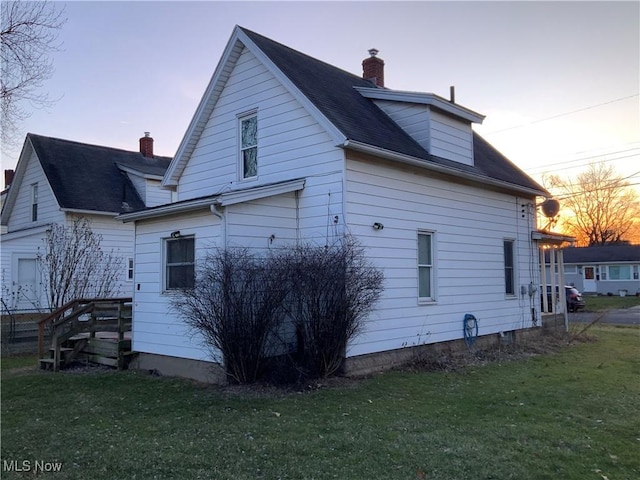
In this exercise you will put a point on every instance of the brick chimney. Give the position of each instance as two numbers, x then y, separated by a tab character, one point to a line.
146	145
373	68
8	178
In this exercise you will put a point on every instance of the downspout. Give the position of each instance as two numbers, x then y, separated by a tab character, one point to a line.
218	211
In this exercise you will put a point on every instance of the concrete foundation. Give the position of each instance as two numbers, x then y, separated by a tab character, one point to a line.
205	372
381	361
213	373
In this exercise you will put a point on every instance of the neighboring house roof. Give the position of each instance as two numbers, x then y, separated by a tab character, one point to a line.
602	254
358	120
87	177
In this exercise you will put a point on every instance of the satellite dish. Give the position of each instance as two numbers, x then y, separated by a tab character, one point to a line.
550	207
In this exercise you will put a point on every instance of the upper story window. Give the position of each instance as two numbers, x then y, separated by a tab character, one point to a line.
248	145
425	267
34	202
509	267
179	263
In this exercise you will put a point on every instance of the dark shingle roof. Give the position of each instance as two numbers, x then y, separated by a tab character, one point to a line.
602	254
86	177
332	91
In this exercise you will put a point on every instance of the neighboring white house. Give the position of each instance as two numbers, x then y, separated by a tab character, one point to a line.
284	147
57	181
606	269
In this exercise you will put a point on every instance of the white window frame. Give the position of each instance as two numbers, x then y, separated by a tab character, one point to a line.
129	277
511	241
34	202
241	167
608	273
430	264
166	265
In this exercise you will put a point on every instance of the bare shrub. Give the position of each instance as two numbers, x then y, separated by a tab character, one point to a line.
73	264
333	289
236	304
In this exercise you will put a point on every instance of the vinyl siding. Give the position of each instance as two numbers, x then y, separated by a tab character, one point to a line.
469	225
22	244
48	208
438	133
451	139
157	329
154	194
291	144
118	239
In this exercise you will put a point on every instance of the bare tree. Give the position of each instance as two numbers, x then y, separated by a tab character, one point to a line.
29	36
73	264
605	207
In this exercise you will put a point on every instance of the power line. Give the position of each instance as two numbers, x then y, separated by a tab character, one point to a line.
580	159
562	114
606	160
613	184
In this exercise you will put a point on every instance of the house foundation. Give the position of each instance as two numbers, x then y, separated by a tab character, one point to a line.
213	373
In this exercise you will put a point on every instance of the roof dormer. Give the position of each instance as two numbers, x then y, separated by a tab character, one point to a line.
440	126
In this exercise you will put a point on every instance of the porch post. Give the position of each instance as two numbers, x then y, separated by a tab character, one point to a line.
552	274
543	278
561	288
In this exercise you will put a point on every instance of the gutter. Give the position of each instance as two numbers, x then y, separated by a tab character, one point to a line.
418	162
168	209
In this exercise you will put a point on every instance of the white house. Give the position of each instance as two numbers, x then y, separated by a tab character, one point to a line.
57	181
284	147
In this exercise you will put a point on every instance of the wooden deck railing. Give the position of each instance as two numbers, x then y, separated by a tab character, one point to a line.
67	322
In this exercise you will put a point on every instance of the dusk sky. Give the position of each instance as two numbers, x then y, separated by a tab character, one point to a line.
557	81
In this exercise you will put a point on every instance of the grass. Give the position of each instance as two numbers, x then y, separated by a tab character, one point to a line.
603	302
571	415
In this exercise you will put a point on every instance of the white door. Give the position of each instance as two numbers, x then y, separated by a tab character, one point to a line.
26	286
589	284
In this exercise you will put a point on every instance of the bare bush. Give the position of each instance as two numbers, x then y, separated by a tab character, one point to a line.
73	264
236	304
333	289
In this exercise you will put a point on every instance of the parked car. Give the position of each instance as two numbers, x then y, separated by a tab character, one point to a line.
573	297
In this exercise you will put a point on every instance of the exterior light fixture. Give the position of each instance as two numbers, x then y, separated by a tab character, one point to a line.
175	234
378	226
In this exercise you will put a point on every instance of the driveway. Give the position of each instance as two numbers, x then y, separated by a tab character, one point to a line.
627	316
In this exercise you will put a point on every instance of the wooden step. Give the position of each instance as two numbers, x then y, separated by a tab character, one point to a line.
45	363
62	349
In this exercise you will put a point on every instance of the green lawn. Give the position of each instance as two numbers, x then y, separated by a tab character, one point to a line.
603	302
570	415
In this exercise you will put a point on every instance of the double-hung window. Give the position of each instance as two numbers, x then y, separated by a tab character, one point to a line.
509	268
34	202
248	133
425	267
179	263
129	269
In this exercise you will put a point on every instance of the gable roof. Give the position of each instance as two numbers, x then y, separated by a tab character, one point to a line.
87	177
602	254
353	120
